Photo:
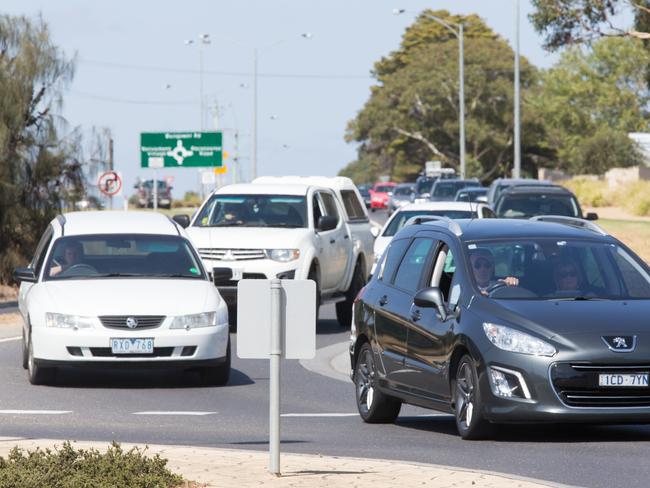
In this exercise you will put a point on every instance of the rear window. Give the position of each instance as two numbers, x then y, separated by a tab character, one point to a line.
402	217
526	206
384	188
353	207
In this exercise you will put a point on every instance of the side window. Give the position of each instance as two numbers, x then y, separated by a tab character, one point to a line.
443	271
394	255
330	205
352	205
412	266
488	213
41	250
203	219
316	209
634	276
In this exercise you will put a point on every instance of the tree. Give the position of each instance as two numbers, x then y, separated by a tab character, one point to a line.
39	174
590	101
412	113
565	22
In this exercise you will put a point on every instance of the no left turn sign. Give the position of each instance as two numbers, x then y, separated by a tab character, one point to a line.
110	183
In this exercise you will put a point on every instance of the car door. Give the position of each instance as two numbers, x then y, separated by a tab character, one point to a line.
336	244
389	332
430	337
37	265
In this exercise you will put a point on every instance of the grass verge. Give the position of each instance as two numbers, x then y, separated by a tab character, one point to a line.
634	234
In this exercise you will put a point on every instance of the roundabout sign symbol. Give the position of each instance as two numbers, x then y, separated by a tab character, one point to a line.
110	183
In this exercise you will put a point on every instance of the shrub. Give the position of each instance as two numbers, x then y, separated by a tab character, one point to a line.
592	193
70	467
635	197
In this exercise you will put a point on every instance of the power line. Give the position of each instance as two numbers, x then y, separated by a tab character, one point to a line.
110	65
131	101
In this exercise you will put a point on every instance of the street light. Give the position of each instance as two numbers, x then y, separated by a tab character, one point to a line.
456	30
203	40
516	173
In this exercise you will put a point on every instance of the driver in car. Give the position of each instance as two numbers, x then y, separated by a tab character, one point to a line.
482	262
72	254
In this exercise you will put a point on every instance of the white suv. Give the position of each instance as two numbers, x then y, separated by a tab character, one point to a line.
282	230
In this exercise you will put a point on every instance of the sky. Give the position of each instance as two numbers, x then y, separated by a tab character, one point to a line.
135	73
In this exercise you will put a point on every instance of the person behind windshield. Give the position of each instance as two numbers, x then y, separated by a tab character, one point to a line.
72	254
565	275
482	262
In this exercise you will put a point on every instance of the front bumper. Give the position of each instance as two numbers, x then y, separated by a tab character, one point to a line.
92	346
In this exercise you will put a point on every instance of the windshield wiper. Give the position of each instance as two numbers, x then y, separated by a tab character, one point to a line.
579	298
115	275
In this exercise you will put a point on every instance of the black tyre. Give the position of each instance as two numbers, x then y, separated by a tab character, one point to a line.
217	375
467	402
313	275
374	406
344	309
37	375
25	351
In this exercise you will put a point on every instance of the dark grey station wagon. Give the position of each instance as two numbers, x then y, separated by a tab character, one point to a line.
495	321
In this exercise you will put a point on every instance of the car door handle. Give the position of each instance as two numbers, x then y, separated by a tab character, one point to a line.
332	241
383	300
346	237
416	315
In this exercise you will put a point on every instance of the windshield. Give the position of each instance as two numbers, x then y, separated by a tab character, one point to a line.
254	211
471	195
402	217
161	184
122	255
384	188
526	206
552	269
424	185
403	191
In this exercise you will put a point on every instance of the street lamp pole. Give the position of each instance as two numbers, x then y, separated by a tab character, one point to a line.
254	143
517	169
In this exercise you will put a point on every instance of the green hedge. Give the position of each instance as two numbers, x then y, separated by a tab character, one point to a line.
69	467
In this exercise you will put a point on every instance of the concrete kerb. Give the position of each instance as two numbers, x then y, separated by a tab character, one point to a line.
232	467
331	361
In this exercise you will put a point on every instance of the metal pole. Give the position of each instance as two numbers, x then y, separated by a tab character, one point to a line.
517	169
461	96
201	83
155	190
235	159
254	151
274	377
110	167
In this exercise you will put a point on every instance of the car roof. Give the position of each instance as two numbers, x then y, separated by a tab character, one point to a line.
456	180
535	190
264	189
521	181
482	229
473	189
471	206
335	182
116	222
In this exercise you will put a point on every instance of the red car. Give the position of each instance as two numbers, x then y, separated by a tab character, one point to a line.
380	194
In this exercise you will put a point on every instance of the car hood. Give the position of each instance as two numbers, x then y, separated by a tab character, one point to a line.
128	296
246	237
551	318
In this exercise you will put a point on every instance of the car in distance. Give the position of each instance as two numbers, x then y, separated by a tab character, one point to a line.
380	194
472	194
505	321
403	194
145	194
452	210
444	190
120	289
364	191
500	184
523	202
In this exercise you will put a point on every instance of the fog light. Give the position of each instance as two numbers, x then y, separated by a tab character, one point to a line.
506	383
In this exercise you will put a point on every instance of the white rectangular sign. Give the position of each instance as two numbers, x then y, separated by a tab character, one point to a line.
298	306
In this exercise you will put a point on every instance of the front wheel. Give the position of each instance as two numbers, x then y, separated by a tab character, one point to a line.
37	375
217	375
344	308
374	406
467	402
313	275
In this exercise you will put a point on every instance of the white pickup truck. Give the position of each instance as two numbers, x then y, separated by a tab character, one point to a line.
291	230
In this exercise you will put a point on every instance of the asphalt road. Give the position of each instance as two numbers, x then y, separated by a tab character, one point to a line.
320	417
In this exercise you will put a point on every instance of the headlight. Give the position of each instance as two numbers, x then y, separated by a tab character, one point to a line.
194	321
283	255
63	321
514	341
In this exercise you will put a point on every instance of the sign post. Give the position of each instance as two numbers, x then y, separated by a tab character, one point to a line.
181	149
276	319
110	184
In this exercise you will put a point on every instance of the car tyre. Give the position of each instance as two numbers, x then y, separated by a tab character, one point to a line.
313	275
217	375
467	402
37	375
344	309
374	406
25	351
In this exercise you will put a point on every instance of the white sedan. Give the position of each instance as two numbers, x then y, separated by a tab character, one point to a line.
109	289
452	210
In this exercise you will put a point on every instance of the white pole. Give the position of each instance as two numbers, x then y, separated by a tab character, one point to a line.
461	96
155	190
517	169
274	377
254	151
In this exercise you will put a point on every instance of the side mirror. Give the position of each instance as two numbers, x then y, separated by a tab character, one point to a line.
431	298
327	222
221	276
375	231
182	220
25	274
591	216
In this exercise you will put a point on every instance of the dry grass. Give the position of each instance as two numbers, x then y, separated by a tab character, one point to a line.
590	193
635	235
633	197
8	293
10	319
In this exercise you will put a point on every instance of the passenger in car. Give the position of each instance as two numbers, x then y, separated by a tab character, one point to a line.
73	253
483	266
565	274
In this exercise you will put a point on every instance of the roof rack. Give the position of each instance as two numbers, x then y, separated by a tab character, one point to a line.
422	219
571	221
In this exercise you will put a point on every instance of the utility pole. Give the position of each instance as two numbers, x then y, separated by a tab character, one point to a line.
516	173
254	152
461	94
110	167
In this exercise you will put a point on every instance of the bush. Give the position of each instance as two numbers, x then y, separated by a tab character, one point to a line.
69	467
592	193
635	197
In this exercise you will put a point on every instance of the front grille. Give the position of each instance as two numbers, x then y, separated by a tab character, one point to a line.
232	254
577	385
245	276
106	352
143	321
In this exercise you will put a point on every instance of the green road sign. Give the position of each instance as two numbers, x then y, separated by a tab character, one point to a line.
181	149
